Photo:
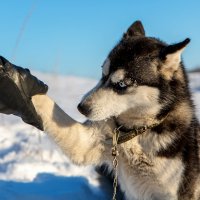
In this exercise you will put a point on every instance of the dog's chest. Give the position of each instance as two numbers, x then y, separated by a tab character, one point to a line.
145	177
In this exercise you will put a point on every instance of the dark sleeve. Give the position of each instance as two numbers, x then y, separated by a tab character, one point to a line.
17	86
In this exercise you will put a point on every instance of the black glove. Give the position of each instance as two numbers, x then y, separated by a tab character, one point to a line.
17	86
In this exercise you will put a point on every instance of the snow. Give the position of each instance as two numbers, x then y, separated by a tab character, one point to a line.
32	167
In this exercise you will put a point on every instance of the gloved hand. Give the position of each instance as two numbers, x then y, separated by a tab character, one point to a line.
17	86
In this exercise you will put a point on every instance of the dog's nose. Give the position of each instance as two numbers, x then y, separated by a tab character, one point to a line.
84	109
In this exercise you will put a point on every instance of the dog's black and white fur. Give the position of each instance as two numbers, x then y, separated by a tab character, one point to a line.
143	83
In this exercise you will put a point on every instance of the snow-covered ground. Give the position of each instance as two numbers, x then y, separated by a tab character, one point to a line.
32	167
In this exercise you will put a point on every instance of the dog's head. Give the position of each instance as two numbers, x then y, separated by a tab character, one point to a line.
141	74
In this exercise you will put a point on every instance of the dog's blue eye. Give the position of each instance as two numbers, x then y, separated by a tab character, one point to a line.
122	84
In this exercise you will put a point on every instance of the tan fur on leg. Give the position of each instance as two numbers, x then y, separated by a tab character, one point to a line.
81	142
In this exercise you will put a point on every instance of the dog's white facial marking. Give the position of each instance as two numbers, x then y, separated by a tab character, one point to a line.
106	103
106	67
118	76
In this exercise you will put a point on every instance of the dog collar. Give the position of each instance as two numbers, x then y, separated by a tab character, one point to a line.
124	136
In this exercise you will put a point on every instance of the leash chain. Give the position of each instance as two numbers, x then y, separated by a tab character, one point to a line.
115	154
117	139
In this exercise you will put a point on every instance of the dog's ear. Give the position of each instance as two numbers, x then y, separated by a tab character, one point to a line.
171	57
136	29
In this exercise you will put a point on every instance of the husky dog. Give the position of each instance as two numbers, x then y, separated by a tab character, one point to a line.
143	90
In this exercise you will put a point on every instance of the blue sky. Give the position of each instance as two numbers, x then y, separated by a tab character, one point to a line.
74	37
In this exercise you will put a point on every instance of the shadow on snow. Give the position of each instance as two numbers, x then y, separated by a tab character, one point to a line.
51	187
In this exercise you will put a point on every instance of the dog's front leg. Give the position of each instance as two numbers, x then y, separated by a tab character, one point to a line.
81	142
